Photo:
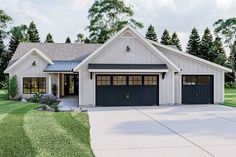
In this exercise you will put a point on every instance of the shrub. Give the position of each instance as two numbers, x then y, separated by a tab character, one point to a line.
36	98
48	99
13	87
230	85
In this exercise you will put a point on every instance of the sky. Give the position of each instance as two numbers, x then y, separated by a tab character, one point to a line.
63	18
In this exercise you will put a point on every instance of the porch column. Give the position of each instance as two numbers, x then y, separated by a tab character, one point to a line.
58	85
49	84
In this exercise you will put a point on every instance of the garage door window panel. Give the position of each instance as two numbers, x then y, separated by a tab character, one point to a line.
119	80
189	80
135	80
204	80
150	80
103	80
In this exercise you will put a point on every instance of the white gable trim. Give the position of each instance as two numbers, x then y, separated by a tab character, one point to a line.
157	52
40	53
208	63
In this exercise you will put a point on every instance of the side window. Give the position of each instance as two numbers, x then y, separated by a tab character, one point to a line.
135	80
103	80
189	80
150	80
119	80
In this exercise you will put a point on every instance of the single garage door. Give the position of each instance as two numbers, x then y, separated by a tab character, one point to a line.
127	90
197	89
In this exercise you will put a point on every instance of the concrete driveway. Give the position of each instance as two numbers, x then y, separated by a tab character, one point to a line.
184	131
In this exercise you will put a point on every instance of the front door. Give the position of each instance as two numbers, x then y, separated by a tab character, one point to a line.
71	82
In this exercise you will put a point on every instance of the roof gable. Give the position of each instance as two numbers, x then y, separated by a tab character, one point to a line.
41	54
132	32
200	60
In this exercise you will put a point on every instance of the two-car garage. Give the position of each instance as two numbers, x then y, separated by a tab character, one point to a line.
127	90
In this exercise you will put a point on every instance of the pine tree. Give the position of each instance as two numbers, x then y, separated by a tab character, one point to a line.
151	33
49	38
165	39
206	45
3	64
33	33
68	40
175	41
193	46
218	52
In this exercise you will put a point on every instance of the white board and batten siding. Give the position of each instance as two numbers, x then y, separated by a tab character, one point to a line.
116	53
193	67
26	69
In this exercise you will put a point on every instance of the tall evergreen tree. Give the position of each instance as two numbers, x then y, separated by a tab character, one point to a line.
108	17
218	52
175	41
3	63
165	39
68	40
17	34
151	33
49	38
33	33
193	46
206	45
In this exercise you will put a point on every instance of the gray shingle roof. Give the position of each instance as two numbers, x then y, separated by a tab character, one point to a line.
128	66
61	66
57	51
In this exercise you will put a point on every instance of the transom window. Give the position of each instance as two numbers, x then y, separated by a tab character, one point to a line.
150	80
189	80
135	80
119	80
103	80
32	85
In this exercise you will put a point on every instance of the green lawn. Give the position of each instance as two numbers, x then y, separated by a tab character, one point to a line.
25	132
230	97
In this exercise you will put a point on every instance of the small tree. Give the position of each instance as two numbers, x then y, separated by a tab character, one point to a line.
193	46
175	41
68	40
206	46
33	33
49	38
151	33
13	87
165	39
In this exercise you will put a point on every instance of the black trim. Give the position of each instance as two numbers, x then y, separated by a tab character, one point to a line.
128	66
31	85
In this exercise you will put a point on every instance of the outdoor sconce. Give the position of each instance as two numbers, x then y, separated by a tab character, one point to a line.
128	49
34	63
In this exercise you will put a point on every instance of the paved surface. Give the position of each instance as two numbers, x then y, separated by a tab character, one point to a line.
178	131
69	103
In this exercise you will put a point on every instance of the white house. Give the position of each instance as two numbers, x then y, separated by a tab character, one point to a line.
126	70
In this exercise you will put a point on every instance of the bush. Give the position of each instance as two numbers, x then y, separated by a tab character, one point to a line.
48	99
36	98
13	87
230	85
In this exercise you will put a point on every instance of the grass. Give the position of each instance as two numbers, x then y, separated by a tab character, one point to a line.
230	97
26	132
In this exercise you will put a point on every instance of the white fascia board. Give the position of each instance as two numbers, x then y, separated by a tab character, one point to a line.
26	55
191	56
157	52
128	70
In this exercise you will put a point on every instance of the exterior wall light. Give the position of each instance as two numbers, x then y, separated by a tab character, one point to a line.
128	49
34	63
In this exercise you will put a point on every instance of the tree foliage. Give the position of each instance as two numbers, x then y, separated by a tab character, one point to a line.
206	46
13	87
165	39
193	46
218	53
4	21
175	41
151	33
68	40
49	38
226	30
108	17
33	33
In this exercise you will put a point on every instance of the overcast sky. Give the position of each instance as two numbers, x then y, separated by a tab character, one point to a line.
64	18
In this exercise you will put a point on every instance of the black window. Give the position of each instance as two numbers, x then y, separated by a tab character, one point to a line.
189	80
135	80
119	80
103	80
150	80
204	80
32	85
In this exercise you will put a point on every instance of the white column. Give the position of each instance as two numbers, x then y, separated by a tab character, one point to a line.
49	84
58	85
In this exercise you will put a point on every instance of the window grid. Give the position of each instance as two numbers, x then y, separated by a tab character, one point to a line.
103	80
33	85
135	80
150	80
119	80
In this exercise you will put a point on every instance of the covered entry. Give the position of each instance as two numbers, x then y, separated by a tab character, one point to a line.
127	90
197	89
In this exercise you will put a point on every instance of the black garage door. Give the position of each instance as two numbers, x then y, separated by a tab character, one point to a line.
197	89
127	90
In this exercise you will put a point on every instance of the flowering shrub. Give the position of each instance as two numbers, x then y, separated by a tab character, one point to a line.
48	99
